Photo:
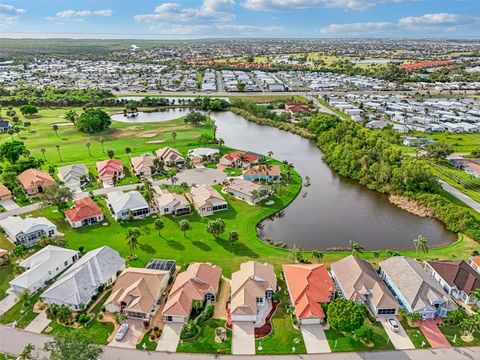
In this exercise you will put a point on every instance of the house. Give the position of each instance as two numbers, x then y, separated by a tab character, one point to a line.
252	289
296	107
357	280
234	159
245	190
416	290
170	203
41	267
199	282
142	165
263	173
74	176
200	154
92	272
123	205
137	293
5	193
474	262
309	286
110	170
34	181
84	212
170	156
160	264
206	200
456	277
27	231
5	125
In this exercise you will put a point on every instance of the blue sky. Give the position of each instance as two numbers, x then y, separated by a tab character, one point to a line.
240	18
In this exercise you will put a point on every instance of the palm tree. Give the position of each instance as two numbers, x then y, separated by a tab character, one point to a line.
43	151
270	153
242	158
421	243
173	179
159	225
26	353
296	254
58	151
355	248
174	136
184	226
318	255
110	153
128	151
55	128
102	140
233	237
88	144
132	239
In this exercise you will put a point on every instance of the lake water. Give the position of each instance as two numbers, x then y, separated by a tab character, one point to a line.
157	116
334	209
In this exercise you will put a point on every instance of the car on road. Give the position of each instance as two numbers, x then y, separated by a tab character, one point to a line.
393	324
121	332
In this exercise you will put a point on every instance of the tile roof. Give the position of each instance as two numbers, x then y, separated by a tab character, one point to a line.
33	178
261	170
4	191
84	208
109	167
457	273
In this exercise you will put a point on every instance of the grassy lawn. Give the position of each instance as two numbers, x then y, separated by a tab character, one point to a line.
7	357
346	342
460	142
149	345
451	331
458	179
204	342
6	274
21	313
415	335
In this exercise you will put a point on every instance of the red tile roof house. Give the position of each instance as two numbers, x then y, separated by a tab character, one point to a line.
110	170
199	282
309	286
233	159
85	212
34	181
261	173
457	278
474	262
297	107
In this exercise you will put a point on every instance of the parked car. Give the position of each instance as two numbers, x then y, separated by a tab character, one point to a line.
121	332
393	324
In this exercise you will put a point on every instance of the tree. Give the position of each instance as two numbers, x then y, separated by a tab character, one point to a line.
355	248
215	227
233	237
128	151
184	226
421	243
438	150
13	150
24	297
27	125
93	120
470	324
345	315
159	225
475	295
174	135
73	345
58	151
26	353
110	153
102	140
55	128
173	179
56	195
71	115
318	255
88	144
132	239
296	254
28	110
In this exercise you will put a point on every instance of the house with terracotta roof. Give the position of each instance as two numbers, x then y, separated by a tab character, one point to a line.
34	181
206	200
142	165
297	107
5	193
309	286
137	292
234	159
474	262
110	170
456	277
84	212
247	191
263	173
199	282
170	156
252	289
357	280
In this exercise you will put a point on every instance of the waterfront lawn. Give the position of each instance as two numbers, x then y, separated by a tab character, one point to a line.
149	344
346	342
415	335
205	342
450	331
21	312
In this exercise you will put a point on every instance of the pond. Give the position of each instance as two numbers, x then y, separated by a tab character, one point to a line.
157	116
333	209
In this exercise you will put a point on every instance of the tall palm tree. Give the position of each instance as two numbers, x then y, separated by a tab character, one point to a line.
355	248
159	225
128	151
132	239
55	128
58	151
43	150
421	243
88	144
242	158
174	136
173	179
102	140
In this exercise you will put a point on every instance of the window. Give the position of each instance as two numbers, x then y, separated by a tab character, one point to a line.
386	311
65	263
259	300
168	318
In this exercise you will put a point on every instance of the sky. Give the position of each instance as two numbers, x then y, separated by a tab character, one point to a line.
184	19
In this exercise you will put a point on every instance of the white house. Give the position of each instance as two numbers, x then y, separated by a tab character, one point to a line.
248	191
29	230
127	204
41	267
74	176
76	286
203	153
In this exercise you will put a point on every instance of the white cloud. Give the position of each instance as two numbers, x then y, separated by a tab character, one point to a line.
69	14
11	9
213	29
356	28
438	19
7	22
289	5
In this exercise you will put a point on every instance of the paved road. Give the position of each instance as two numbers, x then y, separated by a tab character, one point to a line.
21	210
461	196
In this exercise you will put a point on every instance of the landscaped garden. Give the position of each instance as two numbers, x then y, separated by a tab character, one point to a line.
206	340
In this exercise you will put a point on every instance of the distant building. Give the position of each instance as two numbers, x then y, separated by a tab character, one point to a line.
297	107
170	203
29	230
5	125
233	159
5	193
74	176
169	155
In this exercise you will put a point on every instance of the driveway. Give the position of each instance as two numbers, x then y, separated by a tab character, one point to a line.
400	339
315	340
170	337
135	330
430	329
222	298
243	341
9	204
39	323
7	302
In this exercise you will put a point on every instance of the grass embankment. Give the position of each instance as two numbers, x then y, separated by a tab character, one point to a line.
205	342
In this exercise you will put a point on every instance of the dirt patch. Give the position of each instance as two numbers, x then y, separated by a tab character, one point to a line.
63	123
134	128
155	142
149	135
410	206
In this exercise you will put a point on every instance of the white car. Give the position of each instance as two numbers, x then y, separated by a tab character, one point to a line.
394	324
121	332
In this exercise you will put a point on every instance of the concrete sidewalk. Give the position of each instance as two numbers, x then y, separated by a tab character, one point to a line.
7	302
39	323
